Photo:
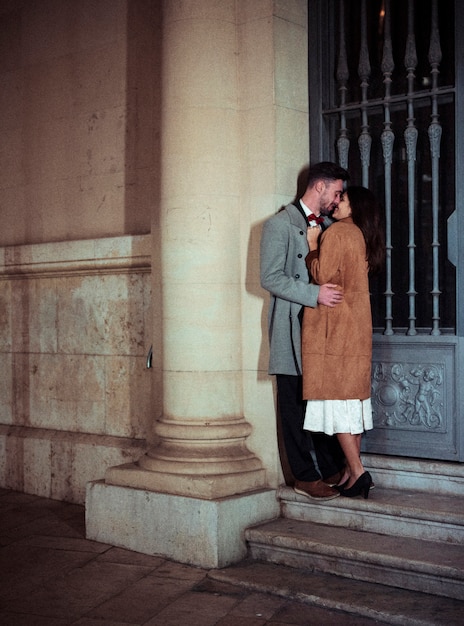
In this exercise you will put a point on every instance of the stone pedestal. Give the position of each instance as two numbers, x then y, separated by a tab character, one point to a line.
207	533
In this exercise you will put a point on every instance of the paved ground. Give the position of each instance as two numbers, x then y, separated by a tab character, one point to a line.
52	576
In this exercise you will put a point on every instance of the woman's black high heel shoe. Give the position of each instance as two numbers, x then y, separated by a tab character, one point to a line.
360	487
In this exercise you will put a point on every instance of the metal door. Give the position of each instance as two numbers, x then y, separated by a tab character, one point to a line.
386	96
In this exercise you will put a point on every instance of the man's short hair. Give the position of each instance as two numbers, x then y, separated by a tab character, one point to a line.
326	171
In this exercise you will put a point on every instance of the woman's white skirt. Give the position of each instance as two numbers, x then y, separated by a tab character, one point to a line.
338	416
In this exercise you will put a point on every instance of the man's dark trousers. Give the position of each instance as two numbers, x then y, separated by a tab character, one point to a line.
297	441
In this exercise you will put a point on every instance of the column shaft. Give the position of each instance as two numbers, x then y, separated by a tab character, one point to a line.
201	435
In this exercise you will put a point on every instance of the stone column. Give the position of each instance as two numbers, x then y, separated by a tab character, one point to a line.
233	138
201	450
202	434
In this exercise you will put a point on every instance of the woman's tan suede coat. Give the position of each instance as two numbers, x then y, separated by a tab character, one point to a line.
337	342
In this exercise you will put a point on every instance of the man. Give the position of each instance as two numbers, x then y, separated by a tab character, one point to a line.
284	274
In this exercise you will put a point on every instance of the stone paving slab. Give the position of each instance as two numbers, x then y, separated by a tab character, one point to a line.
53	576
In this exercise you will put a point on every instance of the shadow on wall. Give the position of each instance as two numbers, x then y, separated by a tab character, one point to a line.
254	288
143	175
72	337
253	285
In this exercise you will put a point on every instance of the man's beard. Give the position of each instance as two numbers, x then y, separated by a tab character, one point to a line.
328	210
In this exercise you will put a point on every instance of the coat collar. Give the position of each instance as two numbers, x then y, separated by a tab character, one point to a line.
298	216
296	213
346	220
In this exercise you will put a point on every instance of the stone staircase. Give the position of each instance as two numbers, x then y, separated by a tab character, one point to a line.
397	557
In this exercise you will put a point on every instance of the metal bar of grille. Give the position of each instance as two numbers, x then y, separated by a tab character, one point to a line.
343	143
410	138
364	71
388	139
435	138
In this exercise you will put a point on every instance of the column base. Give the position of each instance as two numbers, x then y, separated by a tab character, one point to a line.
209	486
205	533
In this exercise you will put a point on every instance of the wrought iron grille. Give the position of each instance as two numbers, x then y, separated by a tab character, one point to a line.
388	106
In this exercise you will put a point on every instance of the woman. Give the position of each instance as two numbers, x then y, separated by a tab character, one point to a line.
337	342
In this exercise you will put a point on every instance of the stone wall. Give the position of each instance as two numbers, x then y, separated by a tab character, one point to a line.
75	392
78	113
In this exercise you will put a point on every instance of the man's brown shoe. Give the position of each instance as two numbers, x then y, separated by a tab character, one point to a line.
315	489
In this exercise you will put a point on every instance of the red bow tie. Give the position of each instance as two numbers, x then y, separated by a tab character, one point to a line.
315	218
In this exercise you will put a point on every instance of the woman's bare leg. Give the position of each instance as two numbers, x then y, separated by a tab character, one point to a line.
351	446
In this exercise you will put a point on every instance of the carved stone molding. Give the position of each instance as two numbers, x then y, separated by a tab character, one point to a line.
64	258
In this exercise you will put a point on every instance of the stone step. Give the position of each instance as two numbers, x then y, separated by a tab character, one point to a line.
429	567
365	599
399	512
433	477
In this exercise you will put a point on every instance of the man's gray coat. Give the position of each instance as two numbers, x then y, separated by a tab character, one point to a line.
284	274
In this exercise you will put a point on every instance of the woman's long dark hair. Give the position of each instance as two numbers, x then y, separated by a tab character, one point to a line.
367	214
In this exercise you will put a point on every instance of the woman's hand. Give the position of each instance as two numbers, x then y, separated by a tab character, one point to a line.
312	235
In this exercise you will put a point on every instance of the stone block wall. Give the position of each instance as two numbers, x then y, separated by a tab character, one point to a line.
75	391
